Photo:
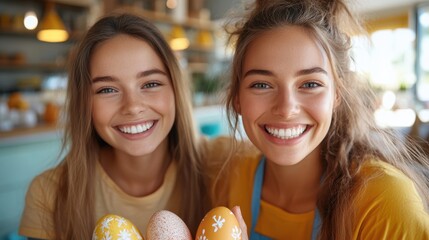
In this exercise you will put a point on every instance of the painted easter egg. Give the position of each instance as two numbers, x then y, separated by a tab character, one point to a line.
219	224
165	225
115	227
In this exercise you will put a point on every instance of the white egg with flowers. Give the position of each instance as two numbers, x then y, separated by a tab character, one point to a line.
115	227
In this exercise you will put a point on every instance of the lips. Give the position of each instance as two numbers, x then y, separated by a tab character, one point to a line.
136	128
286	133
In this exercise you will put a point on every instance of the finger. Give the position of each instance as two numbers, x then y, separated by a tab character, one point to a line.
237	212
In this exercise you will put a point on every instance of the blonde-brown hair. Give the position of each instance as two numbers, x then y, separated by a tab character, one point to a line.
353	136
74	205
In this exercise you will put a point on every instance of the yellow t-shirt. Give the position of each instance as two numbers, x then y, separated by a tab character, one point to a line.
388	207
37	222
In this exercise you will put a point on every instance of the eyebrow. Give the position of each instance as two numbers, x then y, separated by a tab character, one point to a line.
311	71
299	73
258	72
140	74
151	72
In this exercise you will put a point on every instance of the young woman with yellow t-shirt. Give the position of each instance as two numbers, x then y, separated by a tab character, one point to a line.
326	170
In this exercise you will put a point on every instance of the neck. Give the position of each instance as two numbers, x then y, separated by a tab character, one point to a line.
136	176
293	188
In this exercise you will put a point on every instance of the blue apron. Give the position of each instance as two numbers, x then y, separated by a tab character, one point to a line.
256	199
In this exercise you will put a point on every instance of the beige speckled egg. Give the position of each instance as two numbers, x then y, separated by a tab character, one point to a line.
165	225
219	224
115	227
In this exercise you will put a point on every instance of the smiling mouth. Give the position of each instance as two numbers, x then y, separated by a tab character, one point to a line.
286	133
137	128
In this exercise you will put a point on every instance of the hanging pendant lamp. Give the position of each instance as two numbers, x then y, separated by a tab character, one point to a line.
52	29
178	39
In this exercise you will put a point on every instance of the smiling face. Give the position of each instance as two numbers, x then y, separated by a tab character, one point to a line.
133	98
286	96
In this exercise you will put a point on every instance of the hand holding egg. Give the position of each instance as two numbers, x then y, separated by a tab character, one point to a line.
237	212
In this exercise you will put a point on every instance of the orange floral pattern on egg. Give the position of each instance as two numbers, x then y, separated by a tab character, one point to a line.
219	224
114	227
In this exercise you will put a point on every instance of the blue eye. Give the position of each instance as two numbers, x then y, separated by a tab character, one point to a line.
106	90
260	85
151	85
311	85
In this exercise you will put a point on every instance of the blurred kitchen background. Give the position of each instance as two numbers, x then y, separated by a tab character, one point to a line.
33	77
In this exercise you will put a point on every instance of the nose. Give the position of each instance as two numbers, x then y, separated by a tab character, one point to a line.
133	103
286	103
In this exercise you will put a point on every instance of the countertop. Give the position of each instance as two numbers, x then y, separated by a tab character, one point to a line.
38	133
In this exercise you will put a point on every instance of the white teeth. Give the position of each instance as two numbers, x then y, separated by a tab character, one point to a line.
286	133
138	128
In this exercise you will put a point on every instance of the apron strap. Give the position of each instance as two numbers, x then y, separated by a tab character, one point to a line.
256	200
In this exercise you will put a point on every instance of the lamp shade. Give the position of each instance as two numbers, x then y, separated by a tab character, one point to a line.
52	29
178	39
205	39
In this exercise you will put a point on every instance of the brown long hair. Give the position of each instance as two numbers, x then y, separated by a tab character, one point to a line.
74	205
353	136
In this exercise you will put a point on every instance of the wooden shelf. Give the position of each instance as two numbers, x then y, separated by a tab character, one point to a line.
17	33
197	48
167	19
43	67
74	36
60	3
21	131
